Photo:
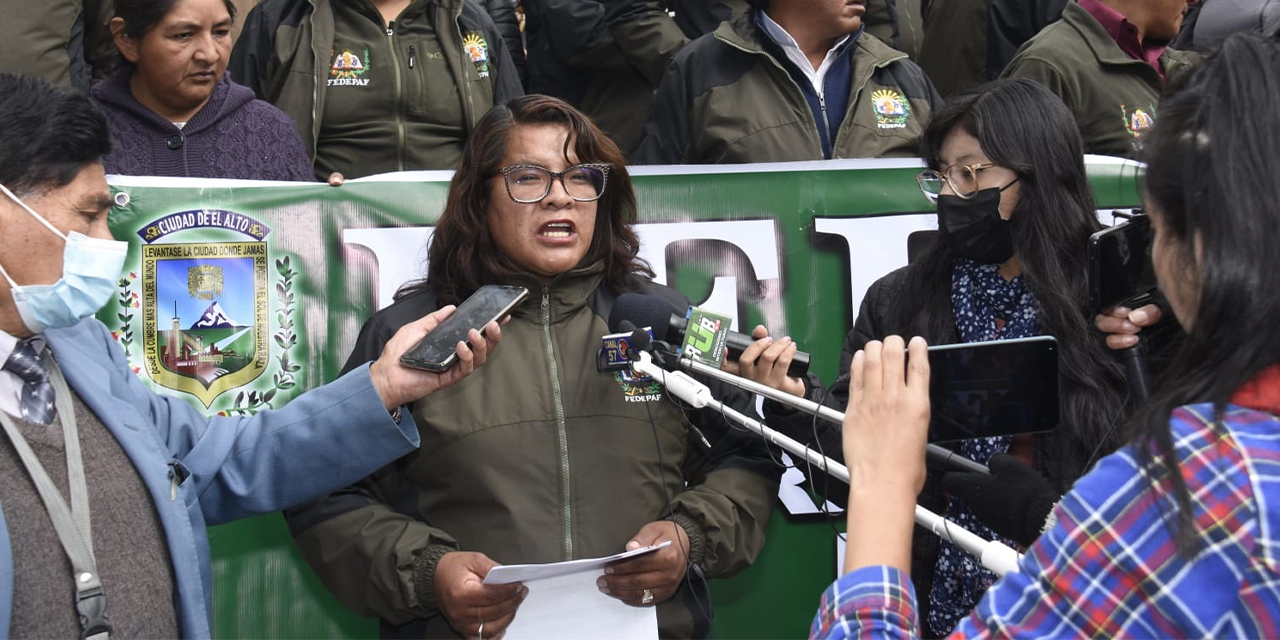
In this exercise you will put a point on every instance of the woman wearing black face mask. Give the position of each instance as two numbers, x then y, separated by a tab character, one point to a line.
1015	213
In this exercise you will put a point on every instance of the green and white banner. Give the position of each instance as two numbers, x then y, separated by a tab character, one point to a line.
238	296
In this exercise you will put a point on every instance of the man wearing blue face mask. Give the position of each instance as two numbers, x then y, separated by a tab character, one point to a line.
105	486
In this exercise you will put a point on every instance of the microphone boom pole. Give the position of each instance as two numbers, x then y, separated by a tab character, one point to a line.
993	554
936	454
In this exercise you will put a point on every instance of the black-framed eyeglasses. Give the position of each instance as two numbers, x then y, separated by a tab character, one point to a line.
528	183
963	179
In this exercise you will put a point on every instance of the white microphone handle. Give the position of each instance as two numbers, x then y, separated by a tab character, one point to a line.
994	555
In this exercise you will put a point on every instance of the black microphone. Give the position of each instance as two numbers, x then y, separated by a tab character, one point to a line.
669	325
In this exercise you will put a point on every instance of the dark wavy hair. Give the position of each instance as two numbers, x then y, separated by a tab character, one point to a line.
48	135
1211	179
141	15
1023	127
463	256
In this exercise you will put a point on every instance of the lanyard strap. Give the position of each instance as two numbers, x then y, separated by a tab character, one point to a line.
71	524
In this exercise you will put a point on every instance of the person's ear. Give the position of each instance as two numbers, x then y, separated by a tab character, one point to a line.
128	46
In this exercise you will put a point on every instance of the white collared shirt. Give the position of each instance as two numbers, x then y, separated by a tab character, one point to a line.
783	39
10	384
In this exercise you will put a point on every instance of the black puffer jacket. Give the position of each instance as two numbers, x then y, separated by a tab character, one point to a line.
605	59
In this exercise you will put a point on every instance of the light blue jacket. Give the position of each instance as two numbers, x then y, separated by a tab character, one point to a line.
328	438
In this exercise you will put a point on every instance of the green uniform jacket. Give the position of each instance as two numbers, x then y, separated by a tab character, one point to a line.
284	55
65	42
725	100
1113	95
538	457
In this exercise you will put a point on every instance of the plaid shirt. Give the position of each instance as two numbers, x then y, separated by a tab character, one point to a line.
1109	567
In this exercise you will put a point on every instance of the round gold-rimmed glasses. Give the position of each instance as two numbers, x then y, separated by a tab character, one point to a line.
963	179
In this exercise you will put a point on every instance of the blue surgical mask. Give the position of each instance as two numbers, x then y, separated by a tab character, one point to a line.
90	269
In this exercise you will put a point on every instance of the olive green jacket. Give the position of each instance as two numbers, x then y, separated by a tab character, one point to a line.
285	51
1113	95
537	457
724	99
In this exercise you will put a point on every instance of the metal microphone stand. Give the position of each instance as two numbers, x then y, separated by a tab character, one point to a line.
995	556
934	453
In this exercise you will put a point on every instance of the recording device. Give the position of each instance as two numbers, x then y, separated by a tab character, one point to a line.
1121	273
669	325
1120	269
438	351
987	389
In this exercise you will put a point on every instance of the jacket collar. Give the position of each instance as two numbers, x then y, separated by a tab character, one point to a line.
90	377
565	293
1262	392
1098	39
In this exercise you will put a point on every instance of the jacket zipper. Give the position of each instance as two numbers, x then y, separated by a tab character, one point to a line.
562	434
412	57
462	78
826	126
315	91
399	96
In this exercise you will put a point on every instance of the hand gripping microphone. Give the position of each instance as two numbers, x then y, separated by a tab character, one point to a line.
632	310
669	325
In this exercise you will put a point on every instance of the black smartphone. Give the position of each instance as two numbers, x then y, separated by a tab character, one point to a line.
1120	269
999	388
439	349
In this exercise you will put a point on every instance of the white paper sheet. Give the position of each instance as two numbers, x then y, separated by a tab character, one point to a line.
565	603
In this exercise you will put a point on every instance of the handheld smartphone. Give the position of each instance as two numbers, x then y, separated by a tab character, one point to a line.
438	350
1120	269
986	389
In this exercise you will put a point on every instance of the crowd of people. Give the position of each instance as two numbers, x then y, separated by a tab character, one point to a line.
403	488
390	85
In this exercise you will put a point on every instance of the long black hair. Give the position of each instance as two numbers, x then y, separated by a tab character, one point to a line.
1025	128
1212	182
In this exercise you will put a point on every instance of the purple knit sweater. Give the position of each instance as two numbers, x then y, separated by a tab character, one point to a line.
232	136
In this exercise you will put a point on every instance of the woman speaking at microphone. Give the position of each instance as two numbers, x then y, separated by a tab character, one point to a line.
1176	534
547	459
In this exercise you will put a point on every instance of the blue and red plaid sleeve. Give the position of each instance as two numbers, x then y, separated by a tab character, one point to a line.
1110	566
872	602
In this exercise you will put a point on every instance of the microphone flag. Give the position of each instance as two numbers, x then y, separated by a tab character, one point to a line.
705	336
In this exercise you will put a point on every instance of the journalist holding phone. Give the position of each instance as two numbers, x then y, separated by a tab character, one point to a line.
1175	534
143	473
539	457
1015	212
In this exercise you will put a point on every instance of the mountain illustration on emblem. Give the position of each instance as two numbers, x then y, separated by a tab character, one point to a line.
214	318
